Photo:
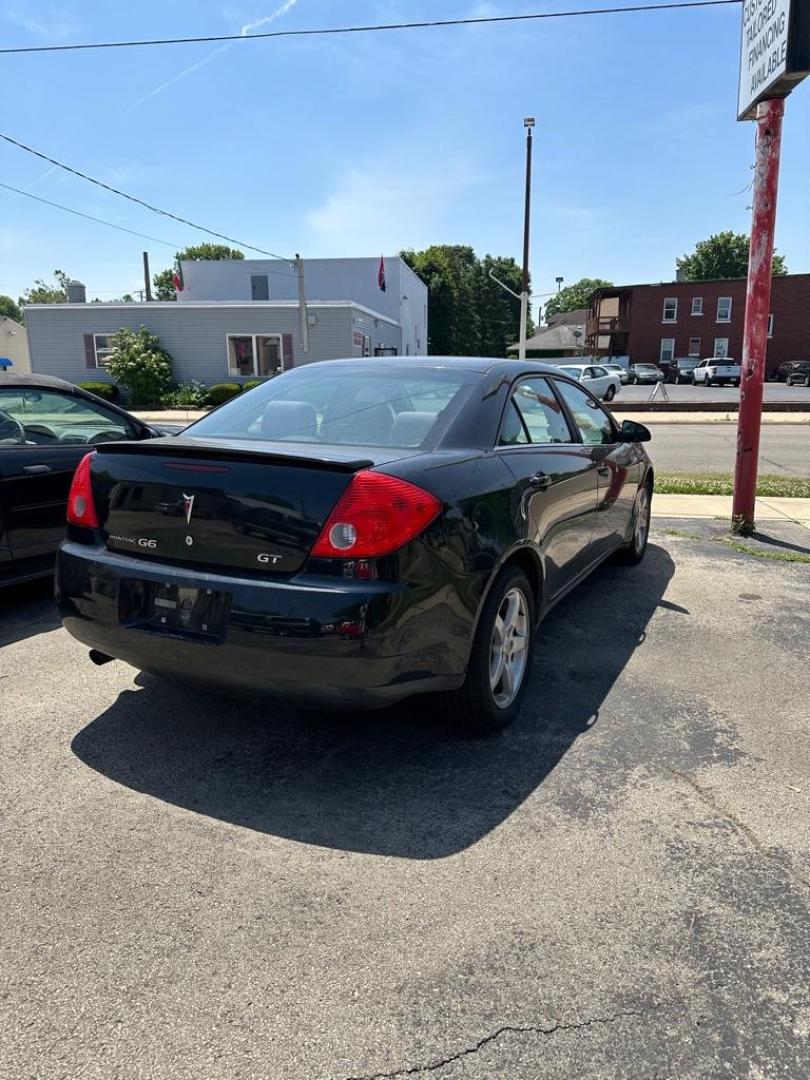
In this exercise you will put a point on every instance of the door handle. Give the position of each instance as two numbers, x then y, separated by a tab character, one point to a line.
540	481
36	470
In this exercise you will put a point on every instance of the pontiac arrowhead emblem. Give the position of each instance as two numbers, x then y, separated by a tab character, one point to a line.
188	506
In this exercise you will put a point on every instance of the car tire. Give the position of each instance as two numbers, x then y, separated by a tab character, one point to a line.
610	393
807	381
475	707
632	554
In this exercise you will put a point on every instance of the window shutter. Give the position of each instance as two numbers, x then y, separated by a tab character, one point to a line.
89	351
287	350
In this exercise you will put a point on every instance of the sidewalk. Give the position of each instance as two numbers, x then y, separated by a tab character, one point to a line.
719	506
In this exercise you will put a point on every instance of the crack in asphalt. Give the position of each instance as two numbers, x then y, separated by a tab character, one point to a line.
708	799
510	1029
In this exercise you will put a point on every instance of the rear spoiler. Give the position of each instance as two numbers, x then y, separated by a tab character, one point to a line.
172	447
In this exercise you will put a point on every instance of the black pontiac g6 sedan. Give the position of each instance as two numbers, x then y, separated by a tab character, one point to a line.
356	531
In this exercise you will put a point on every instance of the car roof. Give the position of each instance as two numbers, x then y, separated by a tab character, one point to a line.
478	364
27	378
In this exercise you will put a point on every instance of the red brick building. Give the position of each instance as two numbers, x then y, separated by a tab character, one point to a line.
655	323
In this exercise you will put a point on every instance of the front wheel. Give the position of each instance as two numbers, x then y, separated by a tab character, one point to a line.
500	658
610	393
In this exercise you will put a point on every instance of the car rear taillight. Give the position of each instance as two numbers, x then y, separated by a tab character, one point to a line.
81	510
376	515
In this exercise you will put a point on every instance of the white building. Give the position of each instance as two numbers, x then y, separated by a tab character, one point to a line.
404	299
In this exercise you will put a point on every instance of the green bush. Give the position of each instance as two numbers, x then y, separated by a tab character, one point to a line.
219	393
139	363
108	391
193	395
254	382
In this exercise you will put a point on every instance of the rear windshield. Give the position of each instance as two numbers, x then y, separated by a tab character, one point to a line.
345	406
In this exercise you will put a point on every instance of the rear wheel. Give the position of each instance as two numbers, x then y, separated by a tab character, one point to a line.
610	393
633	552
500	658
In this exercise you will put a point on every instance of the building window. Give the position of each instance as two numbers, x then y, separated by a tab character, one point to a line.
721	347
667	350
697	305
103	347
259	287
254	354
770	325
724	309
670	309
694	346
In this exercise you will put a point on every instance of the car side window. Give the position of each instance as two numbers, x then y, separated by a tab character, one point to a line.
513	433
534	403
599	372
33	417
594	424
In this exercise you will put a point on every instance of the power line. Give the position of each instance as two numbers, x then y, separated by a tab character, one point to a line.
89	217
133	198
428	24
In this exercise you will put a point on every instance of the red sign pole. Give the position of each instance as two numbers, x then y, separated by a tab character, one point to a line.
757	308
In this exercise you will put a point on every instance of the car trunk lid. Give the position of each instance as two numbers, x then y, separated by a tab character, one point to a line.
211	503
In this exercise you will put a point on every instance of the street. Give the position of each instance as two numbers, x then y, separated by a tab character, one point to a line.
711	448
617	886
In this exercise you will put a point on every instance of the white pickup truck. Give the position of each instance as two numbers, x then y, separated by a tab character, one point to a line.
715	371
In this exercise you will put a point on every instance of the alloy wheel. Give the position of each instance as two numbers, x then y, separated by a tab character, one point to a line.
509	648
642	520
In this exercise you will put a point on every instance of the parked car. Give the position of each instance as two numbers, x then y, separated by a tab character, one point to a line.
46	427
716	371
800	375
354	532
785	369
682	368
645	373
598	379
617	369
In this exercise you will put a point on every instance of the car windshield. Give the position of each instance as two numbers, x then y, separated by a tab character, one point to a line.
574	372
407	407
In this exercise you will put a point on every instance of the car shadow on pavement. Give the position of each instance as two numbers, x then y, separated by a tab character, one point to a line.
27	610
399	782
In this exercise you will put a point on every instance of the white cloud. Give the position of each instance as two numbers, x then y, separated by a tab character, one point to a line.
51	24
244	31
384	209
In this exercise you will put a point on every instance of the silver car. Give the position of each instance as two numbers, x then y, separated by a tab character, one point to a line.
596	378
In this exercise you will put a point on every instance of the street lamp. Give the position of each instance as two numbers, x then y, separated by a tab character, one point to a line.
528	123
559	281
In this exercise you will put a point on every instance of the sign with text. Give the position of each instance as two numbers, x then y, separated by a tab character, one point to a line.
775	51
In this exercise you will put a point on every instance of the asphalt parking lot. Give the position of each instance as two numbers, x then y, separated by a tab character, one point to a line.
618	886
720	394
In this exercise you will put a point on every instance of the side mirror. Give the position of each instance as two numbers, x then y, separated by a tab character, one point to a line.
632	432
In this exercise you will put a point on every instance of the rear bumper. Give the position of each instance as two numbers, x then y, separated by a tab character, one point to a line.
311	640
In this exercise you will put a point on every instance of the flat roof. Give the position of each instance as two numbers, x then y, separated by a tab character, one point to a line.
173	305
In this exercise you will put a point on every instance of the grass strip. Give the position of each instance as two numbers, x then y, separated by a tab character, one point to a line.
791	487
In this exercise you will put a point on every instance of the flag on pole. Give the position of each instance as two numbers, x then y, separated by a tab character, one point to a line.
381	274
177	277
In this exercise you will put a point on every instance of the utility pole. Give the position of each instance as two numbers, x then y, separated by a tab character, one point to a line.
302	303
757	307
528	123
147	283
774	58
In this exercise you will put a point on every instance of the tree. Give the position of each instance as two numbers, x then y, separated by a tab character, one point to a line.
724	255
10	308
164	283
575	296
42	293
140	363
468	313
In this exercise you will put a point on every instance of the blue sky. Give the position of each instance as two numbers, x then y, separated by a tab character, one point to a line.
367	143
